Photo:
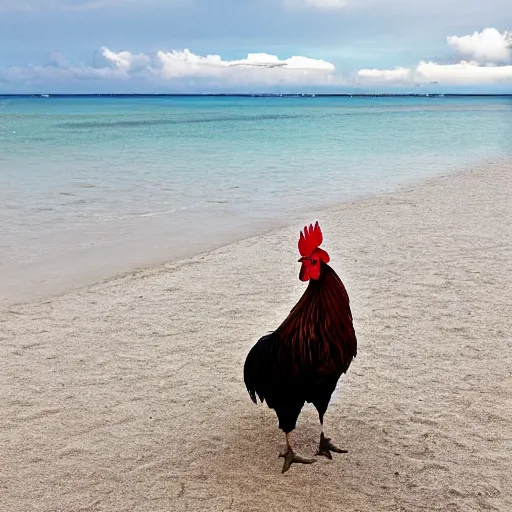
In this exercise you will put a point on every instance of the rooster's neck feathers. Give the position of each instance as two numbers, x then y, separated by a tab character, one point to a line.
319	327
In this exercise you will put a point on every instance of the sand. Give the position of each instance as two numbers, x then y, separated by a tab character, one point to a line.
128	395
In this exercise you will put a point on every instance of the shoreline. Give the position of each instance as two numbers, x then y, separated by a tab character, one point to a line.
128	394
97	275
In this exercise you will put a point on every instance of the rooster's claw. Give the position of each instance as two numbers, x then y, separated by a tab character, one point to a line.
325	447
290	457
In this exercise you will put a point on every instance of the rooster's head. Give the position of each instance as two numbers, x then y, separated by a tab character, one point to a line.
311	254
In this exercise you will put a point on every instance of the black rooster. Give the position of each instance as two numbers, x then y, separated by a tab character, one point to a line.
302	360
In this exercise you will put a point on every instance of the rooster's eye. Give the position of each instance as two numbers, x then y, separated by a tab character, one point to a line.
314	262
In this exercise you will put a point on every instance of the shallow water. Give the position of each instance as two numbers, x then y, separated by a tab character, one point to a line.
91	187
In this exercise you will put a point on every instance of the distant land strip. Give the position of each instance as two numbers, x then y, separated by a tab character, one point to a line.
257	95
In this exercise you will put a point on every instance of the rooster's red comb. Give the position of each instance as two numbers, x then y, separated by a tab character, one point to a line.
310	239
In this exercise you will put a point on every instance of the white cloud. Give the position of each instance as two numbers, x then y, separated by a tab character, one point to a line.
173	66
256	68
125	61
488	48
463	73
185	63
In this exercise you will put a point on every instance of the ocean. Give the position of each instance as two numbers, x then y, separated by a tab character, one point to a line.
94	186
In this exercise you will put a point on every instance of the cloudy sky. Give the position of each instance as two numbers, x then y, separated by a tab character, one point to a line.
255	45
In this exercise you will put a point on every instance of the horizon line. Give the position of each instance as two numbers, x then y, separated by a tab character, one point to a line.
249	95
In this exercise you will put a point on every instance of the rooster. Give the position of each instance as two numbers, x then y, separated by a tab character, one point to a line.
303	359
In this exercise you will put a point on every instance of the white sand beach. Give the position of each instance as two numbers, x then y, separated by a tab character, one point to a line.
128	395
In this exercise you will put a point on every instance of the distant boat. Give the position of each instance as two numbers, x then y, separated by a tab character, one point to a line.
45	95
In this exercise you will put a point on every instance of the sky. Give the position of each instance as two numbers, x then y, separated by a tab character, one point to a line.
187	46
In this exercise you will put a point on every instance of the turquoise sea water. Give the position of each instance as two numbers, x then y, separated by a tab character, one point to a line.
91	186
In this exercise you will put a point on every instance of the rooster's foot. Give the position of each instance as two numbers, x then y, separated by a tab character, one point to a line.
325	447
290	457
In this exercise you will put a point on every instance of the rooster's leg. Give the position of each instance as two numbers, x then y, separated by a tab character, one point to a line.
325	446
290	456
